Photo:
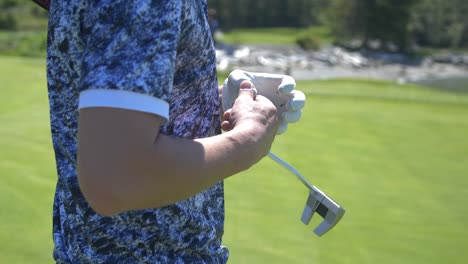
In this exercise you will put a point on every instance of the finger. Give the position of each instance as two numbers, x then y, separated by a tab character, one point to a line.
247	89
226	126
292	117
227	114
287	85
298	101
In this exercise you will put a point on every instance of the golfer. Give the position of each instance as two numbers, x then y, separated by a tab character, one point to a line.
135	120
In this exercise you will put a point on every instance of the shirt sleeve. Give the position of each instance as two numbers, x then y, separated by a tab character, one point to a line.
129	54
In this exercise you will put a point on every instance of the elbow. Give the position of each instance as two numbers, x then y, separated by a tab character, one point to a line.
100	197
103	207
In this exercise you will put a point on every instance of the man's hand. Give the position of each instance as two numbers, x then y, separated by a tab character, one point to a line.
278	88
254	117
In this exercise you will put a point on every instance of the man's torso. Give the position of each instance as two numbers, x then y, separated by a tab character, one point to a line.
189	231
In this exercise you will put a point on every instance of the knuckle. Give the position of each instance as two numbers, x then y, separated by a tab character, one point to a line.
272	110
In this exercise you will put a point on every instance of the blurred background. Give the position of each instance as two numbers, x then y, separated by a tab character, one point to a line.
384	131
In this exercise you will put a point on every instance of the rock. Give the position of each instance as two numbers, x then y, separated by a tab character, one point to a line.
333	62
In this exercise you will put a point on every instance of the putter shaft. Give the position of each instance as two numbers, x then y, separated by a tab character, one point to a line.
291	169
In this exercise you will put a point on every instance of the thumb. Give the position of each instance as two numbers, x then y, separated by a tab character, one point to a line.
247	89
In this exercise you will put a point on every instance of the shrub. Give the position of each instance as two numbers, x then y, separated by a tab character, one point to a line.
7	22
308	42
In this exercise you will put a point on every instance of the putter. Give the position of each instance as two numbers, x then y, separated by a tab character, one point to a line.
317	201
279	89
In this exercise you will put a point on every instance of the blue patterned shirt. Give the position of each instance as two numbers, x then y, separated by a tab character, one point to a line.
143	55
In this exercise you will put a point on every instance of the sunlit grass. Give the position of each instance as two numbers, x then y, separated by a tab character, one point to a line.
276	35
393	155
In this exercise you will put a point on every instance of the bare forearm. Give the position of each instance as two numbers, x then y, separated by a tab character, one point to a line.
126	171
175	169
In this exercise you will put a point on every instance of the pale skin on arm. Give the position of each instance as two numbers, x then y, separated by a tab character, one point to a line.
124	163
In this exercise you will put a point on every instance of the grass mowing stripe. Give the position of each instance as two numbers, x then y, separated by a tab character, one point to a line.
412	99
382	90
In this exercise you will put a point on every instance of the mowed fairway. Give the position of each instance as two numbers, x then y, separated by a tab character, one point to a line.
27	171
396	157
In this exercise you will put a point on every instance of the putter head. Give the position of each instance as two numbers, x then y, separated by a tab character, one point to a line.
319	202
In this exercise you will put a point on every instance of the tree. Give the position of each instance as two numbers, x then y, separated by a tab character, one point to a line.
267	13
440	23
366	20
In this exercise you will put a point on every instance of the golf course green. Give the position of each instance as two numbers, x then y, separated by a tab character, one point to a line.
394	156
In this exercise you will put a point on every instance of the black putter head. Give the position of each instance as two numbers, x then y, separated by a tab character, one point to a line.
319	202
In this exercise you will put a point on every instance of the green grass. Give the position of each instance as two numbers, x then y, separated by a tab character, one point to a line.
375	89
27	172
276	35
397	165
395	156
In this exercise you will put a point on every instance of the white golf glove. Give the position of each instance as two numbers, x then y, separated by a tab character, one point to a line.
278	88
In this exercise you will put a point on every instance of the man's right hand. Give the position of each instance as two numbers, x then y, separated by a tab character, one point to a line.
278	88
253	118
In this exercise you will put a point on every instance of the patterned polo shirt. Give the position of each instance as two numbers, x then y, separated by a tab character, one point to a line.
143	55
